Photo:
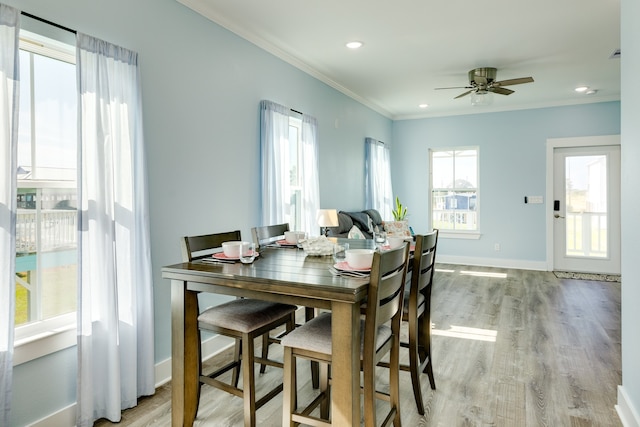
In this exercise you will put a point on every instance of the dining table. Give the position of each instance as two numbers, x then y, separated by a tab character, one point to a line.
277	274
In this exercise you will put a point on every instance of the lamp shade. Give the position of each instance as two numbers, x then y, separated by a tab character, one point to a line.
327	217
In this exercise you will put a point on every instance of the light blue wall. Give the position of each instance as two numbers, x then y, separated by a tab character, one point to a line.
512	165
201	89
43	386
630	141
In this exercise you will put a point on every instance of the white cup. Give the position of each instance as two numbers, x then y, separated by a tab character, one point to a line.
359	258
247	252
232	248
395	241
294	237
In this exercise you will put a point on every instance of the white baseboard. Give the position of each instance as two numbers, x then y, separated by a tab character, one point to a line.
493	262
210	347
66	417
626	411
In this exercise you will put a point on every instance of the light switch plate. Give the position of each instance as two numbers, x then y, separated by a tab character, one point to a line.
535	199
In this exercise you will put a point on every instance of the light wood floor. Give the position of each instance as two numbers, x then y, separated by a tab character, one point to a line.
510	348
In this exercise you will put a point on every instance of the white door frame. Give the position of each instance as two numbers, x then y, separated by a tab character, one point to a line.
552	144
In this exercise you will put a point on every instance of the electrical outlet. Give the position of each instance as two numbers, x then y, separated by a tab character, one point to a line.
496	247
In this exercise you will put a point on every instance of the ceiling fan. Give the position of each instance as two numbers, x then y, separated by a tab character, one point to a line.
483	80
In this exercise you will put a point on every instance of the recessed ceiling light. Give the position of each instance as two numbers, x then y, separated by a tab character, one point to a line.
354	45
582	88
423	105
591	92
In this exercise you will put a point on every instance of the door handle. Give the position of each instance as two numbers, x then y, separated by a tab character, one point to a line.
557	216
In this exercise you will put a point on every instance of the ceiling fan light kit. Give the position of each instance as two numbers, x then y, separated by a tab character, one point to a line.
481	98
483	84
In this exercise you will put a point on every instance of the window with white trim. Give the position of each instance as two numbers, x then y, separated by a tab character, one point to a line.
294	217
454	189
46	224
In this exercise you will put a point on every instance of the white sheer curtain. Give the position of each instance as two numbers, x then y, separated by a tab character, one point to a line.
378	190
274	145
309	175
274	151
115	292
9	19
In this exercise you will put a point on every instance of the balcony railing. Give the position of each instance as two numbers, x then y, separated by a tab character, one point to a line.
45	230
455	219
587	234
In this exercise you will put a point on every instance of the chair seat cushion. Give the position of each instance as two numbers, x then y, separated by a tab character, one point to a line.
315	335
245	315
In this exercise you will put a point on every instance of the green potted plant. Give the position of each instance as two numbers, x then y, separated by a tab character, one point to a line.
400	212
400	225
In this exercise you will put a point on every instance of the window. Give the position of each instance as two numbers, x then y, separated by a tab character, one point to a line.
46	224
377	170
294	217
454	189
289	153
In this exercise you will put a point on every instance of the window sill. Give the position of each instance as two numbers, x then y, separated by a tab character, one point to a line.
42	344
468	235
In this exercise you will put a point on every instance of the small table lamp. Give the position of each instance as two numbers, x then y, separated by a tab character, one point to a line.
327	218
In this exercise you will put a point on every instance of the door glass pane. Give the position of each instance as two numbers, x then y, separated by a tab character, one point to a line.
586	211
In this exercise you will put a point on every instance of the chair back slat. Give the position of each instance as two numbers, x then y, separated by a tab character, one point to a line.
386	289
195	247
268	234
424	260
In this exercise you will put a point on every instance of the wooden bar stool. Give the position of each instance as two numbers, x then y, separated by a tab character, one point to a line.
313	341
268	235
417	314
244	320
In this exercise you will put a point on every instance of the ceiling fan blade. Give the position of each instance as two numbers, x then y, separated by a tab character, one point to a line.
510	82
463	94
454	87
500	90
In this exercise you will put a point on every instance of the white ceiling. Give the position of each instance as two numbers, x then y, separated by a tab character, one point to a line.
413	46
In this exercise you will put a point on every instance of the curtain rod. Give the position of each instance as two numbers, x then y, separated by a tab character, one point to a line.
37	18
375	140
296	111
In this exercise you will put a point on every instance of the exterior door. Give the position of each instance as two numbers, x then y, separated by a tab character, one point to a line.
586	209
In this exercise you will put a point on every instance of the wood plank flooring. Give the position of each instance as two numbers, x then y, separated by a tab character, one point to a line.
510	348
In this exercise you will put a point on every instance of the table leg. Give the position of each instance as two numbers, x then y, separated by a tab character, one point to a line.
345	365
184	355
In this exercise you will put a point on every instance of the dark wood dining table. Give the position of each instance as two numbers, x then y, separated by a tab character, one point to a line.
277	274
